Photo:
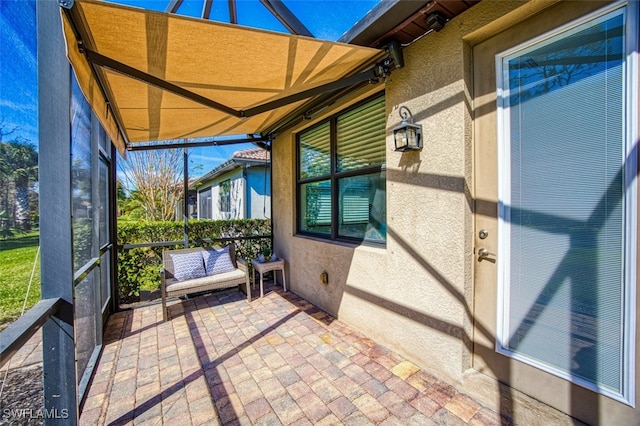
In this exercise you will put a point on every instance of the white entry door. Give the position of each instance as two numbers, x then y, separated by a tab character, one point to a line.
556	166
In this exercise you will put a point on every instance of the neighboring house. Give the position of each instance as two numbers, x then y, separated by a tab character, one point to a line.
503	254
239	188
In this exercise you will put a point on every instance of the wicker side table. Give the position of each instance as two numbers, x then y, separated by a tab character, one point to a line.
261	268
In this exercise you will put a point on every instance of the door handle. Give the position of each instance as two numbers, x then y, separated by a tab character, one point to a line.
483	254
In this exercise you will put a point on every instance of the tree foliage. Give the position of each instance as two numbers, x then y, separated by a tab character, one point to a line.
18	174
154	182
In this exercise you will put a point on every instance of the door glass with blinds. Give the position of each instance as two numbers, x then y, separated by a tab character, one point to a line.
567	201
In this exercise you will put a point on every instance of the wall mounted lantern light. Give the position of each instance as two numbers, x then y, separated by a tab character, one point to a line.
407	136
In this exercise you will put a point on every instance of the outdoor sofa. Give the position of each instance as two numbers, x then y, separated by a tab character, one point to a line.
200	269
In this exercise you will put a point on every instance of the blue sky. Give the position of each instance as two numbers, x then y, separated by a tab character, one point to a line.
326	19
18	69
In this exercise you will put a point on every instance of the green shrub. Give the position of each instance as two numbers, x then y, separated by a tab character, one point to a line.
139	268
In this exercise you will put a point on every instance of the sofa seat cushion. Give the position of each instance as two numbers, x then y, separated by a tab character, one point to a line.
231	278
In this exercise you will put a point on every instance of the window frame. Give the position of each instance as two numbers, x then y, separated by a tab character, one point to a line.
334	178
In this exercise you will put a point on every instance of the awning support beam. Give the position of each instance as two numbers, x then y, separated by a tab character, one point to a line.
369	76
195	144
106	62
173	6
103	61
233	13
206	9
286	17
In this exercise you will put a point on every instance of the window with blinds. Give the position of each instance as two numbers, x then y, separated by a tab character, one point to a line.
341	177
358	148
315	155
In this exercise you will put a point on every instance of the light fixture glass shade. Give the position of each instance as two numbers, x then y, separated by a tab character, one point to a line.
407	136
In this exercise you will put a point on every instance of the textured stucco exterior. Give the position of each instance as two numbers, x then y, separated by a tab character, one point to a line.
416	294
258	194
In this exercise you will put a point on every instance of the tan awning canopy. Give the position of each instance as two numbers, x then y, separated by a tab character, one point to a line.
166	76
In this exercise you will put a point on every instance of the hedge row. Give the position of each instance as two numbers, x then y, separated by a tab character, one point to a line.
139	268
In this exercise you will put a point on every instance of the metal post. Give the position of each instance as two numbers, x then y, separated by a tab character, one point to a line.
113	229
186	197
271	194
54	100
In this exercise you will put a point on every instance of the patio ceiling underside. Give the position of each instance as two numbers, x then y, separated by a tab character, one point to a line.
157	76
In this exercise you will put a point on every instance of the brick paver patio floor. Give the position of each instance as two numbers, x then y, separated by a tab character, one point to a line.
278	360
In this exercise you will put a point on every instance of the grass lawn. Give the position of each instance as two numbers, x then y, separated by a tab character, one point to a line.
16	262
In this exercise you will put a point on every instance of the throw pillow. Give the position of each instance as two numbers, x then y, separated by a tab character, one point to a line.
188	265
217	261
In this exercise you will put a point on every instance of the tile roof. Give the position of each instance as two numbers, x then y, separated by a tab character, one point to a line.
252	154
